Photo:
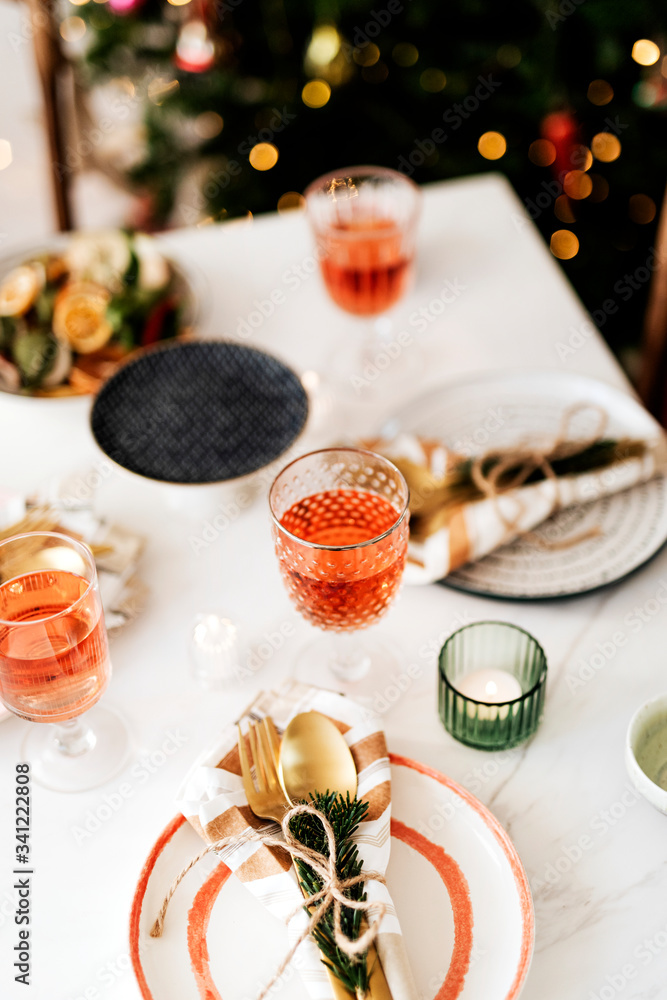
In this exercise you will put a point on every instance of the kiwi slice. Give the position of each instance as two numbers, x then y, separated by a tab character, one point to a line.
34	355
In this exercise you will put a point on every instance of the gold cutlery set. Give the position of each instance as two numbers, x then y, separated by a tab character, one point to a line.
277	774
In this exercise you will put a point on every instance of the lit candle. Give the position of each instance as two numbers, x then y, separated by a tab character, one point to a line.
492	687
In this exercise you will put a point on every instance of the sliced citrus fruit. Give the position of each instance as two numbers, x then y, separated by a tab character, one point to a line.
79	317
18	290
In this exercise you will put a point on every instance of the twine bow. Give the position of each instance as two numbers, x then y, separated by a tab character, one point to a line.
434	502
528	460
331	894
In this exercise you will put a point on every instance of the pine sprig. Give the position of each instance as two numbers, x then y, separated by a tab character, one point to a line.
345	815
434	501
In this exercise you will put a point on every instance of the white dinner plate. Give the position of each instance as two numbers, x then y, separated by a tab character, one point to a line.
458	884
499	410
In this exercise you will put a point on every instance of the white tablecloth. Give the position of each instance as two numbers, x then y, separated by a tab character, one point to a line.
600	912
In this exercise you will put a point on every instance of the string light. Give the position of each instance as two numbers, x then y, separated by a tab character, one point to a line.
564	244
367	56
492	145
208	124
600	92
405	54
5	153
645	52
263	156
433	80
542	152
563	209
316	93
324	45
577	185
605	147
326	58
73	28
581	157
641	209
647	93
600	188
290	201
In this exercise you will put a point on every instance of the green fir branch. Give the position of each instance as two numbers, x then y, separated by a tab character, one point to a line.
344	815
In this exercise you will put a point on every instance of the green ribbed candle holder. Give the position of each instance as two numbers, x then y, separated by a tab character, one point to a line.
492	681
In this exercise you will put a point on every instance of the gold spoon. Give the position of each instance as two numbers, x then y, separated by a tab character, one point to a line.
314	757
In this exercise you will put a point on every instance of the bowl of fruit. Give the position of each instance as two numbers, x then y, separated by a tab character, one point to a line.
72	312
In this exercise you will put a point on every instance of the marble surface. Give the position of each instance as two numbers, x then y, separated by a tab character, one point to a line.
594	852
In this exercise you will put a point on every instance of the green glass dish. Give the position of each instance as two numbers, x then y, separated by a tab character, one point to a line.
469	665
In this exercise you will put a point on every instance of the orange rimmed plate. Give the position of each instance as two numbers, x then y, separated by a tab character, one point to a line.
458	884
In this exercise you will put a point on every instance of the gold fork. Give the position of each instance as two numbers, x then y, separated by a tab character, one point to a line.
268	801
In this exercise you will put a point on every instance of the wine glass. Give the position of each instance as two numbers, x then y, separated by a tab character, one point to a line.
365	221
54	660
340	528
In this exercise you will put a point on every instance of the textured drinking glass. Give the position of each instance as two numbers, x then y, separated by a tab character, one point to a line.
364	220
54	660
506	662
340	527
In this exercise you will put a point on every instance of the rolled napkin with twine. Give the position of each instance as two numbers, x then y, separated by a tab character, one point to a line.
462	509
213	801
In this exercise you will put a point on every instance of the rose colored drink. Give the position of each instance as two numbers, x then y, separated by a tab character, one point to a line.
368	273
352	588
56	667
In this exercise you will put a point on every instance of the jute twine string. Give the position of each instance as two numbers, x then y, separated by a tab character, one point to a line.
331	894
526	461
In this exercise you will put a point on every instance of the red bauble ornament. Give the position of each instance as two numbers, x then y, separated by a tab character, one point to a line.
562	129
195	49
125	6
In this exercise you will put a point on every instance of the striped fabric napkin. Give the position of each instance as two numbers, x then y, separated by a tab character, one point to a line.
474	528
213	801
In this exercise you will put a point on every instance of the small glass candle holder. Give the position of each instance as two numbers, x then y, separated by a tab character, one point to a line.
214	651
491	685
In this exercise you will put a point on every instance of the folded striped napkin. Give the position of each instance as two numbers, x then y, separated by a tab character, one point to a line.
445	534
213	801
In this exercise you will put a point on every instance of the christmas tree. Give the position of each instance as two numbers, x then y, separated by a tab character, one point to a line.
242	105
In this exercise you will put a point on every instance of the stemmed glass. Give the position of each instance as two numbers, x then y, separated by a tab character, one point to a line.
364	220
54	660
340	528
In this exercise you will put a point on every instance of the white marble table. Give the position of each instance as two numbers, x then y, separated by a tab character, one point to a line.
595	856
